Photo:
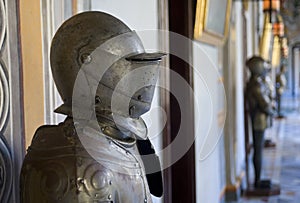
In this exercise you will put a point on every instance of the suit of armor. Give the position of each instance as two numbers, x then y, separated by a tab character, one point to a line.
96	157
280	87
260	108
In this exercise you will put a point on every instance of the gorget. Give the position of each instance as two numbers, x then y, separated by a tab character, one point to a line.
121	126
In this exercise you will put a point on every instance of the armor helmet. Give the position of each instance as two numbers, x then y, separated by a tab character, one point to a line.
257	65
102	45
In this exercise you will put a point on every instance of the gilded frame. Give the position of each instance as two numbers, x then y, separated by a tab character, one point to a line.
208	27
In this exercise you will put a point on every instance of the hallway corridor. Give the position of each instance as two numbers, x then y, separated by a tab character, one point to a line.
282	163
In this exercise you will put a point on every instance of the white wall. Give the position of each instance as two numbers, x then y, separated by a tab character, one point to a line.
210	102
239	92
296	70
139	15
252	28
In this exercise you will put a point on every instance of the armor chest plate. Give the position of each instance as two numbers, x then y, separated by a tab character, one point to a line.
57	168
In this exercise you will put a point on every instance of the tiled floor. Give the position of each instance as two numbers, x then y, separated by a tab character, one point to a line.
282	163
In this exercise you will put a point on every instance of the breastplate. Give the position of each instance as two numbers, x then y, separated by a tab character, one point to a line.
57	168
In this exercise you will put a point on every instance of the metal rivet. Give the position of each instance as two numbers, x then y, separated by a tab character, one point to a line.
86	58
109	196
81	181
131	110
97	100
145	200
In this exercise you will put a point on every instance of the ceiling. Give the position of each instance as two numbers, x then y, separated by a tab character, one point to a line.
290	11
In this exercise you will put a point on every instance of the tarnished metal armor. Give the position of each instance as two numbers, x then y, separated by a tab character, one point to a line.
280	87
260	108
83	161
270	92
259	94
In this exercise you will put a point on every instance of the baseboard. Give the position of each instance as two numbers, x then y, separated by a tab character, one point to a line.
232	192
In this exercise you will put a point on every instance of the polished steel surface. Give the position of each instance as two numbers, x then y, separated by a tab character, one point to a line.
95	42
80	160
58	168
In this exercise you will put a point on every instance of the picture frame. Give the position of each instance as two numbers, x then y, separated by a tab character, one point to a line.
212	21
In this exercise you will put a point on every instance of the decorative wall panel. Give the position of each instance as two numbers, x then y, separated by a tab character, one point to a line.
5	171
4	91
11	127
5	158
2	23
4	96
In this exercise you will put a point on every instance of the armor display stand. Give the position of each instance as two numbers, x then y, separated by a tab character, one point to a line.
260	109
101	152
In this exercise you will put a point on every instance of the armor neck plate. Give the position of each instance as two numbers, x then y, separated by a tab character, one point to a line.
122	128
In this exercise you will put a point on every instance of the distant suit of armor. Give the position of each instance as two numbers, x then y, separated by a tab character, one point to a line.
280	87
260	108
260	103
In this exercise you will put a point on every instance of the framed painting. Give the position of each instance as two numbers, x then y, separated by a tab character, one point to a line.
212	21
